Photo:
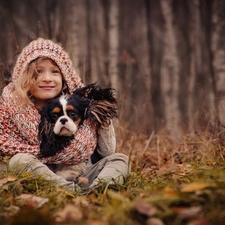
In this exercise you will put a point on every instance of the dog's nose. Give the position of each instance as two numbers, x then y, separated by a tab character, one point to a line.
63	121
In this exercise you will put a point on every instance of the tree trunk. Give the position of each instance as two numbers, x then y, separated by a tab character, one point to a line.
114	43
170	70
97	39
72	28
218	40
194	58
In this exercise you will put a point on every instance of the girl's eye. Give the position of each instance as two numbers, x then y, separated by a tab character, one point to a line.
39	71
55	71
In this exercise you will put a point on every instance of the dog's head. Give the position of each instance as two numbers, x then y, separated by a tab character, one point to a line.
63	115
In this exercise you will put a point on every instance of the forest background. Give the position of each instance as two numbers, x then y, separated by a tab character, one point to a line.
166	58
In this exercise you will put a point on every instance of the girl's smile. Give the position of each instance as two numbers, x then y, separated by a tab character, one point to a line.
46	87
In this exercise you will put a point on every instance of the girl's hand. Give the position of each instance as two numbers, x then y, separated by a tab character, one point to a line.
106	123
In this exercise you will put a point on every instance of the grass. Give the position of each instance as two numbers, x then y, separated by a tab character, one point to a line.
171	183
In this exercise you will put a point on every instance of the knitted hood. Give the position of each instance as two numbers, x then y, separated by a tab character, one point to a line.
46	48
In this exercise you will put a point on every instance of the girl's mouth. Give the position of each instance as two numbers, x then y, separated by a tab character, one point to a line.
46	87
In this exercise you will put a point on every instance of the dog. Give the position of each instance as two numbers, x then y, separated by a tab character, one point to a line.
62	116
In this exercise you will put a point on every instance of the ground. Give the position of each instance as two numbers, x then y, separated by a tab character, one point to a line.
171	183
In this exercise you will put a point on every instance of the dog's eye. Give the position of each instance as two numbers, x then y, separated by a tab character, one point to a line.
54	116
72	114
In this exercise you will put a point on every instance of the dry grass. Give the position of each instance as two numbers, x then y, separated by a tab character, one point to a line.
171	183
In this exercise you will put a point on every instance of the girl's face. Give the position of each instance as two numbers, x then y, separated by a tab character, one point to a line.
48	82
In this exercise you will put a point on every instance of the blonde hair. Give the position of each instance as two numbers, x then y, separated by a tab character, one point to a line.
26	80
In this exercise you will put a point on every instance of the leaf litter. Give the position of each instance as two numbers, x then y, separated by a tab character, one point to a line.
170	183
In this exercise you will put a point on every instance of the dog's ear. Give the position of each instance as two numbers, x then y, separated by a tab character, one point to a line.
103	110
102	103
43	133
84	92
45	127
46	136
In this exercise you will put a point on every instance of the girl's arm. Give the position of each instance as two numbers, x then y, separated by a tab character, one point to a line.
106	140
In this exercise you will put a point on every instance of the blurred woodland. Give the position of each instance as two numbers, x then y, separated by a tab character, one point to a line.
165	58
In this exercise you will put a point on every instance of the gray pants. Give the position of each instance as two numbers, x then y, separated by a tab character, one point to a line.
110	169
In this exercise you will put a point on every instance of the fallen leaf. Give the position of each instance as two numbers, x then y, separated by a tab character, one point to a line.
70	212
199	222
3	181
194	186
187	212
169	192
145	208
95	222
154	221
9	178
33	201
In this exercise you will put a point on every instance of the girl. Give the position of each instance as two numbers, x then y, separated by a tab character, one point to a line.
43	71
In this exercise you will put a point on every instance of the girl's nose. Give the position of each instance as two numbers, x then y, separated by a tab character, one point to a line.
47	77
